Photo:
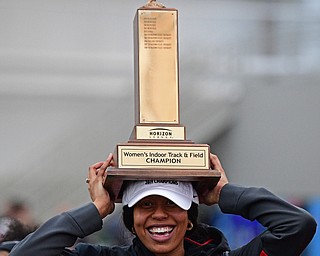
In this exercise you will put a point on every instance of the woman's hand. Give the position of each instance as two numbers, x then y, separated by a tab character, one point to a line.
210	197
99	195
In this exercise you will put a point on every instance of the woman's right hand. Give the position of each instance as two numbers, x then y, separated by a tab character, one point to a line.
99	195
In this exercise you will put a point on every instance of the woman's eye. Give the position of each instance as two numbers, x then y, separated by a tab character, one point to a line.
146	204
170	203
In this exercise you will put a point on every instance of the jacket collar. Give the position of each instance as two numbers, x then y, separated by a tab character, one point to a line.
203	241
206	240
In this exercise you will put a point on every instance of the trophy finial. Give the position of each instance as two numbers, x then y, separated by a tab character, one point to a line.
153	4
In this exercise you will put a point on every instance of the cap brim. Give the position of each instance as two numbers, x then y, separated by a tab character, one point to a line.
180	200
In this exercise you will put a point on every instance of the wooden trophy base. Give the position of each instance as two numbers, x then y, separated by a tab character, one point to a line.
201	179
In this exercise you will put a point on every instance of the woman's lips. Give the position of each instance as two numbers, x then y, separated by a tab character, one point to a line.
160	233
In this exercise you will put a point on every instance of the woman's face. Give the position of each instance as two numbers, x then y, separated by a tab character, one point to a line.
160	225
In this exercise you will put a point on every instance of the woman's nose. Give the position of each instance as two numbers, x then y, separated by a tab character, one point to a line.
160	212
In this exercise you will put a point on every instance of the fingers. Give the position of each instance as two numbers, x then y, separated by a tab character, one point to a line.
93	169
99	195
98	169
210	197
102	170
215	162
107	163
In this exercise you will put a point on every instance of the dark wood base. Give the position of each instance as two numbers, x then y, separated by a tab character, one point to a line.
201	179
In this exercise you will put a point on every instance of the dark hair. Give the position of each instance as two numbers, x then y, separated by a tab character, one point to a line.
127	216
13	229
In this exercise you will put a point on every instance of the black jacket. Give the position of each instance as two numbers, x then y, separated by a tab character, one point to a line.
289	230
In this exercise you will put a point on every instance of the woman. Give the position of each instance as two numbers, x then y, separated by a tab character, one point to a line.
162	215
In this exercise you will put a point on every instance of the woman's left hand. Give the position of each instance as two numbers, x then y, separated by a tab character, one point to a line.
210	197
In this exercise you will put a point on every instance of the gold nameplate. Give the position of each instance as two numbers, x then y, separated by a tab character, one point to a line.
163	156
156	76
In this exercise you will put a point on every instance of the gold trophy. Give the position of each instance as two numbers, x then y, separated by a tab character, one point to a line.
157	148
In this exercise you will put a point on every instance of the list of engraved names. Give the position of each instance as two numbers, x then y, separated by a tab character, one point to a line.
153	39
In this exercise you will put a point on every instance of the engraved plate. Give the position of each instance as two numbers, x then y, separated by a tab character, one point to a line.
160	133
157	63
163	157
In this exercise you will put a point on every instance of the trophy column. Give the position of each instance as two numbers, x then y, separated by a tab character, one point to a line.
157	148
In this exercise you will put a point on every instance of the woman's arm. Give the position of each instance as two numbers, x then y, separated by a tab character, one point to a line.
61	231
289	228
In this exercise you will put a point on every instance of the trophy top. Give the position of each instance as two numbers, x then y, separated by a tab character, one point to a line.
153	4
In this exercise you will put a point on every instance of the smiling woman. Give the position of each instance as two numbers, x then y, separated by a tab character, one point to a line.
159	222
162	215
160	225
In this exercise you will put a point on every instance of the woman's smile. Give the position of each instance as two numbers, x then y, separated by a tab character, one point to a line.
160	225
160	230
162	233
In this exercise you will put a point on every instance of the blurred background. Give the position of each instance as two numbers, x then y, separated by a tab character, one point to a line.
249	87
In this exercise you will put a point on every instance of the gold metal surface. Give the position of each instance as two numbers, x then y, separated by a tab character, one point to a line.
153	4
157	66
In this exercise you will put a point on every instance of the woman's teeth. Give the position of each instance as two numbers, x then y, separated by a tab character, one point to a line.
160	230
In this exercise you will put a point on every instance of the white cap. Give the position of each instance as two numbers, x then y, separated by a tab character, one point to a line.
181	193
